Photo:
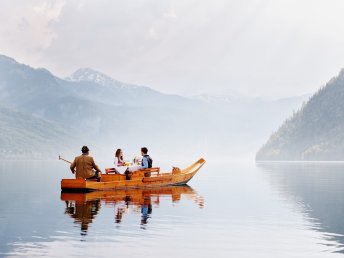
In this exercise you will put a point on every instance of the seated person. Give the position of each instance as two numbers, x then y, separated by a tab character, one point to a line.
119	163
84	165
147	162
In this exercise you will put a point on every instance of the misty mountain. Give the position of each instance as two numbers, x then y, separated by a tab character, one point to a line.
85	92
99	109
314	132
26	136
95	109
96	86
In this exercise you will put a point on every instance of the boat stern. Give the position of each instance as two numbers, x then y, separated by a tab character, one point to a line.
73	184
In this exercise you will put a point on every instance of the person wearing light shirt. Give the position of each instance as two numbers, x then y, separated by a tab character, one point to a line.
119	163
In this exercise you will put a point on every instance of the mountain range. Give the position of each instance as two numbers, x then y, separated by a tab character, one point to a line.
88	107
315	131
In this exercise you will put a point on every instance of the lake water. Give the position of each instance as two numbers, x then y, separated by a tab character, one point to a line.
228	210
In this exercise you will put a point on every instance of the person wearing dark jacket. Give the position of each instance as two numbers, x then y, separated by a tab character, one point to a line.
147	162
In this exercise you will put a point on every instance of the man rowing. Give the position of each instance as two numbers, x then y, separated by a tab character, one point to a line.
85	166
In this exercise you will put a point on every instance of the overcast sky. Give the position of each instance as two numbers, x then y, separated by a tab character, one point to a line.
267	48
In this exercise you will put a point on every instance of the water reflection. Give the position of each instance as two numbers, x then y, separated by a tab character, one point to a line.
82	212
265	211
315	189
84	207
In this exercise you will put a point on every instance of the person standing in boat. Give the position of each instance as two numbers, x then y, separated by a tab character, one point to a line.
83	166
119	162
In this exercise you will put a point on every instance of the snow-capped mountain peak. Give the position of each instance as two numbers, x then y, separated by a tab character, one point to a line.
88	74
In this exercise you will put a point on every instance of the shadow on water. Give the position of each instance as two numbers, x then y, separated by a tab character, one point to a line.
84	207
316	189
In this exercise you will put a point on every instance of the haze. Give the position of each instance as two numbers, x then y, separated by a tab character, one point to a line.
262	48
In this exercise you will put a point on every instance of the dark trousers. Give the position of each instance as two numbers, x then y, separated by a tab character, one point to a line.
96	176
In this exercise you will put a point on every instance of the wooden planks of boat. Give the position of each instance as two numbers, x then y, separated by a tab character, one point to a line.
139	179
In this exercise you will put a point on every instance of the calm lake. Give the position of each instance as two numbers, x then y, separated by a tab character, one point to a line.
228	210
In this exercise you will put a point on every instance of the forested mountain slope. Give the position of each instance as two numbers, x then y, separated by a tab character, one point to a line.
315	132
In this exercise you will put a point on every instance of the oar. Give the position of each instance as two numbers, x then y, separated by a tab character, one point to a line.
64	160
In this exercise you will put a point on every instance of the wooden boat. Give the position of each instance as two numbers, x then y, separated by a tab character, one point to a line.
144	178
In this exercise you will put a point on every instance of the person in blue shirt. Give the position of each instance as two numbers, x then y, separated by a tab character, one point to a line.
147	162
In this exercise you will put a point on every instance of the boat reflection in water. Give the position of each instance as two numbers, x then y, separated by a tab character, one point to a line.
83	212
83	207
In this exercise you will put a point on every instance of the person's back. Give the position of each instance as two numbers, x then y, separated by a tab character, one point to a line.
84	165
147	161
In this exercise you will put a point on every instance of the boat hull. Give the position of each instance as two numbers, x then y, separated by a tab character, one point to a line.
136	196
138	180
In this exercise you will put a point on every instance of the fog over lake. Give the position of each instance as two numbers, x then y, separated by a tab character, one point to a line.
256	88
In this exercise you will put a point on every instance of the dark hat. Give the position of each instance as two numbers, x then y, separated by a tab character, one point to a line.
85	149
